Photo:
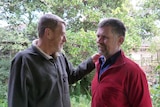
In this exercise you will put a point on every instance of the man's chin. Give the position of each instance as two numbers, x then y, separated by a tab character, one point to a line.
61	50
100	52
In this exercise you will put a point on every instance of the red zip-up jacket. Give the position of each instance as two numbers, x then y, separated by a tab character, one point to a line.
124	84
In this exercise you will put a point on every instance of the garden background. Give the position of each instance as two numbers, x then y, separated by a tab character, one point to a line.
18	21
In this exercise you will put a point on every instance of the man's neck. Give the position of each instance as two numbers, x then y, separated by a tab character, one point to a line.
43	47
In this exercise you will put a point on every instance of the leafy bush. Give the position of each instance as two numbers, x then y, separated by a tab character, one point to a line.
155	95
4	73
3	103
155	89
80	101
80	46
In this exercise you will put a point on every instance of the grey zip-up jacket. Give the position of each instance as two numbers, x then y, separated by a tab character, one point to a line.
37	81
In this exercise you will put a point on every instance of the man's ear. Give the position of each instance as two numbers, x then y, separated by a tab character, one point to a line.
47	33
121	39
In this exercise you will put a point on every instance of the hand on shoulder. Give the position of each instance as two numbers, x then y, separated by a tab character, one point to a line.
95	57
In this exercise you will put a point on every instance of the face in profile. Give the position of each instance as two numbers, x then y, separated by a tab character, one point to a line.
58	38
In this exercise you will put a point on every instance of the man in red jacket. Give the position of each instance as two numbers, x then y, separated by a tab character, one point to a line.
118	82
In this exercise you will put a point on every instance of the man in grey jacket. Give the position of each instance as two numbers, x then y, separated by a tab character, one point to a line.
40	75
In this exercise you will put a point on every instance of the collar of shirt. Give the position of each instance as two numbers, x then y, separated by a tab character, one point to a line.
34	43
105	64
109	61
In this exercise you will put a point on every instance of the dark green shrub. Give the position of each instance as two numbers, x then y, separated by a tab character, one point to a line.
155	89
80	45
4	73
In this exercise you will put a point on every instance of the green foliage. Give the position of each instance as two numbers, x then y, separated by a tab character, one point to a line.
4	73
154	44
3	103
82	17
21	16
131	42
155	89
80	101
12	42
82	45
146	18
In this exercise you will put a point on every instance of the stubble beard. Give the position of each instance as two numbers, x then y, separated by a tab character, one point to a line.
103	51
61	48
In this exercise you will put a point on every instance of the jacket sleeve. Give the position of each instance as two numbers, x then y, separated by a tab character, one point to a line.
138	91
17	89
75	74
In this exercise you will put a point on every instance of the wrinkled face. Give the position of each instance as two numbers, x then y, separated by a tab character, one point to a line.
108	42
58	38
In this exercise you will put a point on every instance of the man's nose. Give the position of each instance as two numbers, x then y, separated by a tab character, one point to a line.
64	39
99	40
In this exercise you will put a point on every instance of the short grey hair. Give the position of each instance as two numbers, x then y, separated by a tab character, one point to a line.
117	26
48	21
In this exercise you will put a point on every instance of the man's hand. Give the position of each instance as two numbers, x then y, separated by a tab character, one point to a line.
95	57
